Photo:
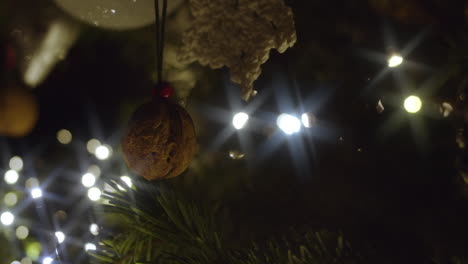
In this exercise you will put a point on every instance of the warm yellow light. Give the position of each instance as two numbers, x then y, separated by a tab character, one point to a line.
16	163
412	104
22	232
395	61
64	136
10	199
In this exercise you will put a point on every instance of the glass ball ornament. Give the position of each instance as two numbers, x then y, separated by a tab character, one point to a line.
160	140
115	14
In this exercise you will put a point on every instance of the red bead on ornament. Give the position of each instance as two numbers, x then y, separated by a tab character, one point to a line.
164	90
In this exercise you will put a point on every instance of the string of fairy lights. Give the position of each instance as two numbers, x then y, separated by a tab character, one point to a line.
291	124
34	191
288	123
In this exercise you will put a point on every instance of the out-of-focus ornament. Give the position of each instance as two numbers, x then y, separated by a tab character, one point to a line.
446	109
236	155
160	141
460	138
19	112
239	35
54	46
380	108
115	14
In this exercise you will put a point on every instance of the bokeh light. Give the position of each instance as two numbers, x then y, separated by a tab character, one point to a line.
94	194
36	193
64	136
288	123
88	180
95	170
395	60
11	176
15	262
412	104
103	152
32	183
92	145
26	260
236	155
33	250
47	260
22	232
16	163
7	218
60	236
90	246
94	229
240	120
10	199
127	180
308	119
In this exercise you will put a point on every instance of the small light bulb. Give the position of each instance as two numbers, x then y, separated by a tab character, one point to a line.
395	61
88	180
94	229
60	236
47	260
92	145
15	262
90	246
102	152
36	193
22	232
16	163
10	199
240	120
413	104
289	124
64	136
7	218
11	177
94	194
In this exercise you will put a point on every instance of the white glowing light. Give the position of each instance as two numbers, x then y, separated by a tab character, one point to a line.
94	194
7	218
395	61
11	176
22	232
60	236
88	180
10	199
92	145
90	246
16	163
36	193
64	136
127	181
94	229
413	104
47	260
95	170
288	123
15	262
102	152
240	120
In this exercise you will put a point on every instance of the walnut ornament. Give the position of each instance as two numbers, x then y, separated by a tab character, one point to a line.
160	141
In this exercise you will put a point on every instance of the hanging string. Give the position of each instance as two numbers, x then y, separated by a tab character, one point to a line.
160	32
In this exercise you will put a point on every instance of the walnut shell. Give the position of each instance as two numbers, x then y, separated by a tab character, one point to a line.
160	141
